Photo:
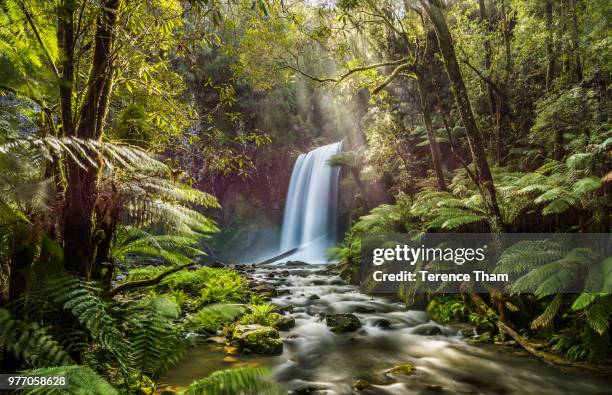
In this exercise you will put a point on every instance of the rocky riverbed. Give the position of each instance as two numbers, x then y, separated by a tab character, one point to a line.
337	340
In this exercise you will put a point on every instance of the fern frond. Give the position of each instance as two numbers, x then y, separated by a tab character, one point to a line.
81	380
549	313
235	381
31	343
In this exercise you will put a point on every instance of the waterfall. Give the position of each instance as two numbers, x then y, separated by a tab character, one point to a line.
309	222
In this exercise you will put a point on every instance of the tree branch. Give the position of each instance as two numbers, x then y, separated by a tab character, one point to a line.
147	282
348	73
394	74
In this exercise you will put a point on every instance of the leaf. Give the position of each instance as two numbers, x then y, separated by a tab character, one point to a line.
549	313
586	185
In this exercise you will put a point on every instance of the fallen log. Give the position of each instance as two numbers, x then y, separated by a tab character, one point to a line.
147	282
277	257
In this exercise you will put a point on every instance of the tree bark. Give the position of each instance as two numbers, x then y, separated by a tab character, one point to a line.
551	62
78	223
436	157
483	172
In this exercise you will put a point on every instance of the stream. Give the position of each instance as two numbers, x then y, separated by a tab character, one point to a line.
316	360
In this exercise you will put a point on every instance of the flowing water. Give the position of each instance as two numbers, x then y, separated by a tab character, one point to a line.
309	222
315	357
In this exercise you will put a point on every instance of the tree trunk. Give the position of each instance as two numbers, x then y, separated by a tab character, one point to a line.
483	171
424	88
79	224
551	62
576	42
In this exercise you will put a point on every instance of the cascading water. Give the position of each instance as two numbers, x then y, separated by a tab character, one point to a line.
309	222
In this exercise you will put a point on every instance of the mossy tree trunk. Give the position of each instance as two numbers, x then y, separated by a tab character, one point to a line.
483	171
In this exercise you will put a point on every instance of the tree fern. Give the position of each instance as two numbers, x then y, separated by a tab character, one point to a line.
235	381
174	249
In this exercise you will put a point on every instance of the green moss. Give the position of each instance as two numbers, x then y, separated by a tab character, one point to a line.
405	369
258	339
361	384
446	308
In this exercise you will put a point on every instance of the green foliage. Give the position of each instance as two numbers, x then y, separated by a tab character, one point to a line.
582	344
156	343
81	381
235	381
173	249
261	314
30	342
83	300
446	308
209	318
199	287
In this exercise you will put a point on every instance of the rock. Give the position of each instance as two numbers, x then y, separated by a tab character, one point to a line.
361	385
467	332
285	323
217	264
265	289
382	323
296	263
284	273
281	292
314	297
343	322
284	309
404	369
216	339
427	330
258	339
318	282
483	328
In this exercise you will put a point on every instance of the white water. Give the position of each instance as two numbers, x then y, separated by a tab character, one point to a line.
309	223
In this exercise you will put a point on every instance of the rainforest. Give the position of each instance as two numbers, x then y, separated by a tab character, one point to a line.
189	190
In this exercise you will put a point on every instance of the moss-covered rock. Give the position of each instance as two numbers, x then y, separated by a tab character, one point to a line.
340	323
405	369
257	339
361	384
285	323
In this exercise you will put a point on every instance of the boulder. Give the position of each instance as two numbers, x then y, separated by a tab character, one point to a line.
258	339
285	323
340	323
314	297
264	289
